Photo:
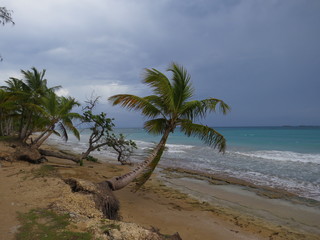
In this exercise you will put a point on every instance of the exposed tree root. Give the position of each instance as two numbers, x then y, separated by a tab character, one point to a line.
102	194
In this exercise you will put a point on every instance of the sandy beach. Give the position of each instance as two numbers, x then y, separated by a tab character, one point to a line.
171	202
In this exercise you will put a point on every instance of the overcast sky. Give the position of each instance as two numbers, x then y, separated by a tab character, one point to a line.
262	57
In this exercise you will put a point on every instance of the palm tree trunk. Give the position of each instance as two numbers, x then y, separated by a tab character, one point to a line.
25	128
117	183
40	141
51	127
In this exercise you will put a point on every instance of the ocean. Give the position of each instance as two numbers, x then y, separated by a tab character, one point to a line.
282	157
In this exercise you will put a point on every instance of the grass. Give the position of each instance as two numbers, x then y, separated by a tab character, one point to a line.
45	171
43	224
106	228
8	138
91	159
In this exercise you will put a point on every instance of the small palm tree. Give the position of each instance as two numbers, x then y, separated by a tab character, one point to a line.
57	115
170	107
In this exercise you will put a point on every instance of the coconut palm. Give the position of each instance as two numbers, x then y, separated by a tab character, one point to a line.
29	93
57	115
6	112
170	107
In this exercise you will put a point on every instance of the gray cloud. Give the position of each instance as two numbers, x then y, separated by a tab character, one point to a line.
262	57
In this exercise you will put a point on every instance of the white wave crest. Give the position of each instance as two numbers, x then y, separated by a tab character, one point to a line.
175	148
283	156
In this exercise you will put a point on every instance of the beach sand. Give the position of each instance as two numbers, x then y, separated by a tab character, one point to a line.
169	202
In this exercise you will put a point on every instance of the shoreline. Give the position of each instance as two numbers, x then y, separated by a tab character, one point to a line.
222	179
293	172
171	208
240	199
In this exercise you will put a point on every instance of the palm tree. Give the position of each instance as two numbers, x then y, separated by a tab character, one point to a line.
57	115
29	91
6	113
170	107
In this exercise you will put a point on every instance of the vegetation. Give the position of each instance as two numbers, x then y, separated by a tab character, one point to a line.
28	105
170	107
5	17
122	146
99	125
101	134
45	171
43	224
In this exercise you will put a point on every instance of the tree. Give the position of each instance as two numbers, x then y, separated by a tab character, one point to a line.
101	136
101	126
170	107
57	117
6	113
29	94
122	146
5	17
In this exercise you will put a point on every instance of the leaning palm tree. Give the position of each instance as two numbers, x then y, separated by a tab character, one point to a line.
57	115
170	107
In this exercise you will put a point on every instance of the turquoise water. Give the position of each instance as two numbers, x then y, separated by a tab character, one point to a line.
281	157
297	139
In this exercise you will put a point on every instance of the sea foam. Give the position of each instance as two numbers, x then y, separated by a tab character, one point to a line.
283	156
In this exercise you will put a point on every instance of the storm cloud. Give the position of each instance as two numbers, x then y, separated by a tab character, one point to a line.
261	57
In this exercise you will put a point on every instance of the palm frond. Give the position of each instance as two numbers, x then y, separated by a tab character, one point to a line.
133	102
156	126
160	84
56	133
63	130
198	109
193	110
206	134
182	89
211	104
68	124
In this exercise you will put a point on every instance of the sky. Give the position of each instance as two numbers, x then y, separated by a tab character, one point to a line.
262	57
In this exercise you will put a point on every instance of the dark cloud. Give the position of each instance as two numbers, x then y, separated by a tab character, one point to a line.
262	57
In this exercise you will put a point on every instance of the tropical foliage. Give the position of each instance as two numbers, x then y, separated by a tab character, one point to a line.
28	105
5	17
170	106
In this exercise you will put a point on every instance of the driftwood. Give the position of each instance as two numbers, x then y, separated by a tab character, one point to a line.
49	153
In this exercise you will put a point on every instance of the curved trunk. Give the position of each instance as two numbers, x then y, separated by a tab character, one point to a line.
85	154
51	127
117	183
40	141
91	148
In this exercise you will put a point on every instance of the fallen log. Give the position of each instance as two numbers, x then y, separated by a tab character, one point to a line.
49	153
